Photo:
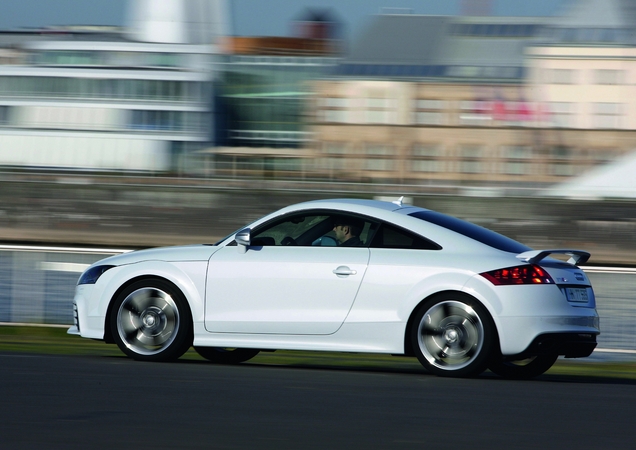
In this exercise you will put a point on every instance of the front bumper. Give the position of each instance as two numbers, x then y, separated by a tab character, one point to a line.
75	329
88	323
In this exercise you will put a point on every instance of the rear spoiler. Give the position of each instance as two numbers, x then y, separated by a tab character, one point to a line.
534	256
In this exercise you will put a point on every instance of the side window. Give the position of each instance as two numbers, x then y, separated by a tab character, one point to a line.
292	230
389	236
316	228
351	231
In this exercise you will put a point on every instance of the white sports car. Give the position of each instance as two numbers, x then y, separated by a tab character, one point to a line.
350	276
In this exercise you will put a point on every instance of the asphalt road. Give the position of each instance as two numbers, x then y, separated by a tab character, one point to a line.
66	402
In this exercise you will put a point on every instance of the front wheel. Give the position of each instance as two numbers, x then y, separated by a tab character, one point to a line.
151	321
453	335
523	369
226	355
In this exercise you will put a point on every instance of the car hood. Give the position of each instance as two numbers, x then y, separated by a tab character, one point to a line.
178	253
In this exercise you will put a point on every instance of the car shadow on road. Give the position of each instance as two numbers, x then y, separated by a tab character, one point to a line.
586	373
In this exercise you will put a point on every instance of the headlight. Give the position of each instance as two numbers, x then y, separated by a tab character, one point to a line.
92	275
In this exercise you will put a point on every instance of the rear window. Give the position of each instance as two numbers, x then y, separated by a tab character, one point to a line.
480	234
392	237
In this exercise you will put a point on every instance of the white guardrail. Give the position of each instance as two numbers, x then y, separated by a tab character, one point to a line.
599	269
37	285
57	266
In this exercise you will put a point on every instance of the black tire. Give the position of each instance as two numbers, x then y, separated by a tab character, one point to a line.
151	321
226	355
523	369
453	336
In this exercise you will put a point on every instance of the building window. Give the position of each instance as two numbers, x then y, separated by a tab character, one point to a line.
471	151
606	115
334	157
379	164
335	148
427	151
561	170
379	157
427	158
517	159
470	166
377	103
561	161
332	164
5	88
334	116
378	150
429	112
562	76
427	166
517	152
335	102
150	120
333	109
562	114
4	115
470	159
109	89
561	152
379	110
608	76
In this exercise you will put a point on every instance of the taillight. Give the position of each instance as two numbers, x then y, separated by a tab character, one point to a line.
526	274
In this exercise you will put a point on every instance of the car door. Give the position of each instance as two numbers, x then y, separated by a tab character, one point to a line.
281	283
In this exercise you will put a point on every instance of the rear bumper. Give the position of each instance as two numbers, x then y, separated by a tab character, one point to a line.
570	345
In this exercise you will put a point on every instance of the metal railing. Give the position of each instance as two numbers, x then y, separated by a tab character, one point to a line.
37	284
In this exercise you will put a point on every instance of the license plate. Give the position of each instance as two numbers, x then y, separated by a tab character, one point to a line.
578	295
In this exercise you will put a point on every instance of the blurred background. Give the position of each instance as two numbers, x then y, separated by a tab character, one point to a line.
136	123
141	123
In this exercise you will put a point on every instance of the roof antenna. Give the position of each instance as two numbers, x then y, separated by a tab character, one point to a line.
399	201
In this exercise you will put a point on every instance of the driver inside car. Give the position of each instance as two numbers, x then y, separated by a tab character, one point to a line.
347	232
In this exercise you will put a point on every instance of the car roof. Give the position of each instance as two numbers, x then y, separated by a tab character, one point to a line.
357	205
445	234
378	209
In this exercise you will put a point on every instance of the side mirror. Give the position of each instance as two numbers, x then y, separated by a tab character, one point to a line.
243	238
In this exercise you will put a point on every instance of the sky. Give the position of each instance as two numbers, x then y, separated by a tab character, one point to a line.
252	17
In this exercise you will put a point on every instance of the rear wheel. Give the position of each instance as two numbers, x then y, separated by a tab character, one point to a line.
453	336
221	355
151	321
524	368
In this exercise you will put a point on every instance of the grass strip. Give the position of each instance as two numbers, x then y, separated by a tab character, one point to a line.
55	341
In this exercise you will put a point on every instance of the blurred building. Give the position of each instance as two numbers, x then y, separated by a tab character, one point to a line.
429	99
107	99
584	69
480	100
262	95
468	100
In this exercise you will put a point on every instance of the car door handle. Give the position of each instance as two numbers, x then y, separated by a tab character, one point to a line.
343	271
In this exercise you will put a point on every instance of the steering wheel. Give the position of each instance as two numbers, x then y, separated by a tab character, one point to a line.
287	240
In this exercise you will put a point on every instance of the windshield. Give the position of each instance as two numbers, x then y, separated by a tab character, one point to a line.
480	234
